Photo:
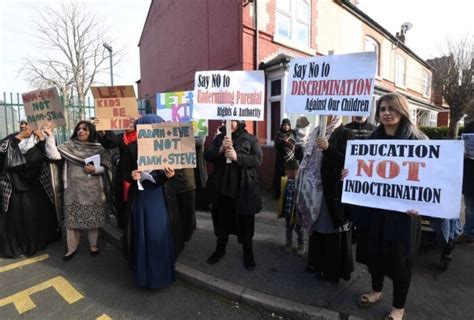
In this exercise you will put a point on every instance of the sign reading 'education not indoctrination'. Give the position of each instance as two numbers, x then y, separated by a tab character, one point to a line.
230	95
331	85
115	107
179	107
42	107
400	175
166	144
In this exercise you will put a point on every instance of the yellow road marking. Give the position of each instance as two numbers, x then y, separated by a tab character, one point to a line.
23	302
103	317
23	263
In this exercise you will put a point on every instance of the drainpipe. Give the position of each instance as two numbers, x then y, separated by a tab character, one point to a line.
255	7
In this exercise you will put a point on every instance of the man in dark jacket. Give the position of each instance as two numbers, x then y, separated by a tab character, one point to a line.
468	191
361	127
233	190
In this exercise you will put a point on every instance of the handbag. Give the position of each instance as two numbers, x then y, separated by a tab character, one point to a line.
14	159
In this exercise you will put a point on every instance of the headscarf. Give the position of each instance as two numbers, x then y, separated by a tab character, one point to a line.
288	139
309	184
129	137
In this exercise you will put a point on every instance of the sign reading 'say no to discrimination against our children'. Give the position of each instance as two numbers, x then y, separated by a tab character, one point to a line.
335	84
229	95
115	107
167	144
179	107
400	175
43	106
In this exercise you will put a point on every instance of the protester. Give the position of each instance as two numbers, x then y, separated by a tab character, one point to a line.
152	256
200	175
302	131
361	127
233	190
287	204
388	240
28	220
319	201
86	187
184	187
468	191
285	151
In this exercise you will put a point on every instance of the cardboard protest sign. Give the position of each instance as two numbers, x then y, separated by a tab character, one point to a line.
166	144
468	139
179	107
43	106
334	84
230	95
115	107
399	175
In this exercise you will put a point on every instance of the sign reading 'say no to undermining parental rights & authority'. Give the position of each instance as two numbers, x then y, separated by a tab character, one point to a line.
334	84
167	144
401	175
229	95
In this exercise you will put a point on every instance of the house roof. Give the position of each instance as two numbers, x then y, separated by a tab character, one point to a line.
346	4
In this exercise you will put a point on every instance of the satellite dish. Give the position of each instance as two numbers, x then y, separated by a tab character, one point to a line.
406	26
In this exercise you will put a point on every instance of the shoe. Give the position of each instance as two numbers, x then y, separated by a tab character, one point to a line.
322	277
216	256
389	317
300	251
94	253
364	302
67	257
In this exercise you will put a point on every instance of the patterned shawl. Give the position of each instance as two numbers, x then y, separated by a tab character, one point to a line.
309	185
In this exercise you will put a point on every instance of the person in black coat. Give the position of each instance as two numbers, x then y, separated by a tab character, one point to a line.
388	241
234	190
361	127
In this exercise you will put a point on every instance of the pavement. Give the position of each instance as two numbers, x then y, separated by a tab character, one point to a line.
280	284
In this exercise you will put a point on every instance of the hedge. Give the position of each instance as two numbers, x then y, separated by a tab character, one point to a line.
437	133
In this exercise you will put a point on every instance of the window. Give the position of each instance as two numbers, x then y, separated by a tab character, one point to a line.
293	20
273	112
426	84
400	71
372	45
433	119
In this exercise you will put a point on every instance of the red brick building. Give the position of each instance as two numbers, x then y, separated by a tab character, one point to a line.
182	37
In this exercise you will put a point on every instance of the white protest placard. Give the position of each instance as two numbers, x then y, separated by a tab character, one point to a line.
468	139
399	175
115	107
230	95
179	107
166	144
42	107
331	85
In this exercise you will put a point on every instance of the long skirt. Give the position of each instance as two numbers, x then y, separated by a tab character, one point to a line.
331	254
153	258
29	224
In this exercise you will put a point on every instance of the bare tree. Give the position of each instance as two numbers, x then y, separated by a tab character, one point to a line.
453	79
74	53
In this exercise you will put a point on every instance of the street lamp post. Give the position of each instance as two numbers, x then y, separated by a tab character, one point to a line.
109	49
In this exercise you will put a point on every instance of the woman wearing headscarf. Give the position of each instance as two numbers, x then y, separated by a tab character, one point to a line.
86	187
152	257
319	203
388	241
28	220
234	190
285	151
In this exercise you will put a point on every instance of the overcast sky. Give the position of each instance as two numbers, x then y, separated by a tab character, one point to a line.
433	22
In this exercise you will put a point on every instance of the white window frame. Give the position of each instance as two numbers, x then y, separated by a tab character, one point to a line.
433	119
426	84
273	76
369	41
292	15
400	78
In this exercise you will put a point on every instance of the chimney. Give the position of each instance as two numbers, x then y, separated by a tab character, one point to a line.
400	36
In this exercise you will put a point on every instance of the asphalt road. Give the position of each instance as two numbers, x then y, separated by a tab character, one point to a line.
44	287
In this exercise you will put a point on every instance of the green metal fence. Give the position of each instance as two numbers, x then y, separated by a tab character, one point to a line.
12	111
